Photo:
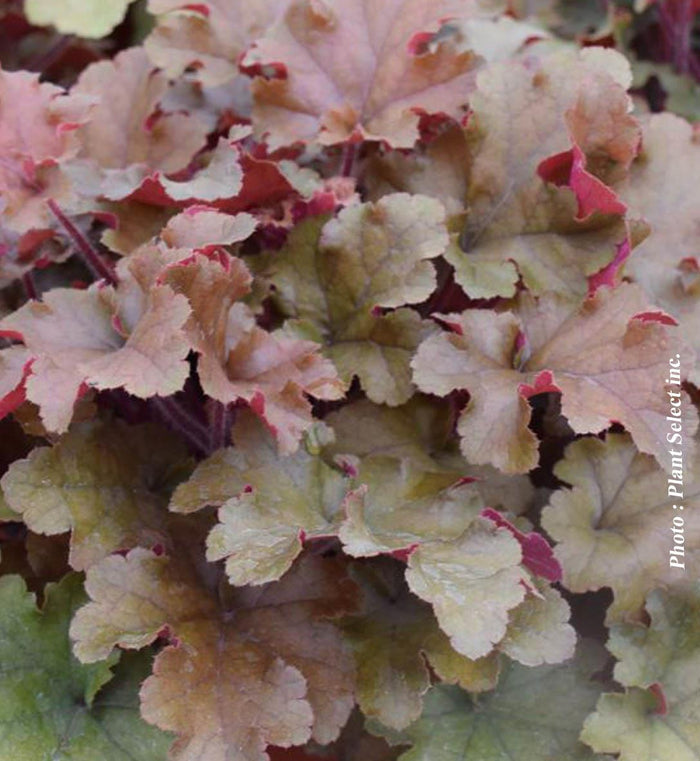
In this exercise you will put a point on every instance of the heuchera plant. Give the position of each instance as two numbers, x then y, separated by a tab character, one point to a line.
334	380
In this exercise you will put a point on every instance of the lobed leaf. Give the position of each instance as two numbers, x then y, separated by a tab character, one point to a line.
660	187
336	281
519	224
107	483
375	89
472	584
391	639
608	363
268	504
532	714
262	668
643	723
51	705
613	525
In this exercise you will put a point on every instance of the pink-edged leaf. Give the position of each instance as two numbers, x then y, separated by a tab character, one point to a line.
538	556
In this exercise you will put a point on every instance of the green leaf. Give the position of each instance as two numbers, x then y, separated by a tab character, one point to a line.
372	256
86	18
420	432
391	640
472	583
52	706
637	724
613	527
533	715
108	483
399	504
538	630
268	502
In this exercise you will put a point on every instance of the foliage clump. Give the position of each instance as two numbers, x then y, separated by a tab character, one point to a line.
336	412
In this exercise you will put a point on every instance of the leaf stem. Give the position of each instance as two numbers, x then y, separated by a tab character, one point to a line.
29	286
220	421
676	20
180	419
347	163
91	256
43	61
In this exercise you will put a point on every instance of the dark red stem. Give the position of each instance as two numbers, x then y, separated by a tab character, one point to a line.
29	286
348	159
92	258
182	420
220	422
676	19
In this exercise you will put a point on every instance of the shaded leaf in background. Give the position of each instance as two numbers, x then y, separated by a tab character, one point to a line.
391	640
642	724
107	483
532	714
52	706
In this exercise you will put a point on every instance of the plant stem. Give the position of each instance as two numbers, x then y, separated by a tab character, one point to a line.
347	163
181	419
29	286
220	422
91	256
43	61
676	20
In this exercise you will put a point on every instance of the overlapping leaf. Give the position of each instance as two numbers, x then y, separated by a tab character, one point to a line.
661	188
269	504
264	667
240	360
52	706
439	169
519	225
656	716
390	640
609	364
398	505
130	337
210	36
420	432
336	280
200	227
107	483
391	505
14	363
472	584
532	714
613	527
376	88
126	139
37	131
539	630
